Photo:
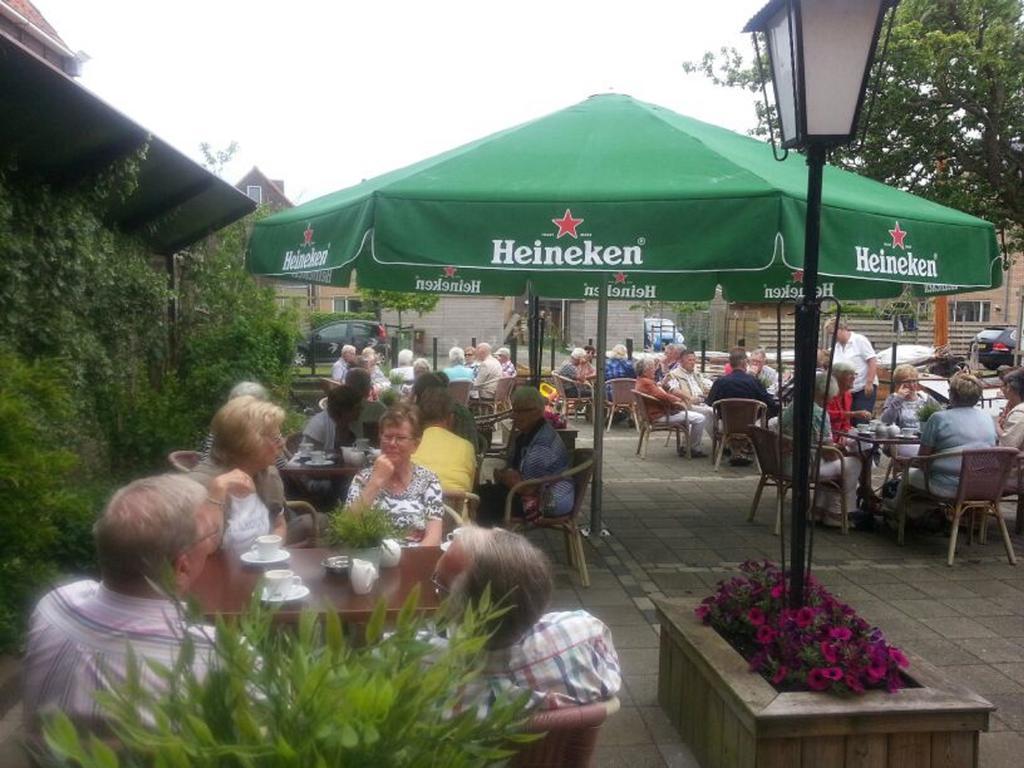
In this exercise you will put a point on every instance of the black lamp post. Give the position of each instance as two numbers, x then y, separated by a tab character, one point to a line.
821	52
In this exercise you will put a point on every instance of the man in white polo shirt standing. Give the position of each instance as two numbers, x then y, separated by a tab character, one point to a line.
856	350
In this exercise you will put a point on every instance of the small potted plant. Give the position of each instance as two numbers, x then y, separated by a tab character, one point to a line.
358	530
926	411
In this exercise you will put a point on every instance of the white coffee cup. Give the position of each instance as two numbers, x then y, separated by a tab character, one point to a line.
304	448
266	547
316	456
363	576
281	583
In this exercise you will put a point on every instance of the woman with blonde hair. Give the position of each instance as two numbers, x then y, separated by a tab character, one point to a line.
247	440
903	405
953	430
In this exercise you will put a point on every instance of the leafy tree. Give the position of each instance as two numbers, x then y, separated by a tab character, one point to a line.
399	302
948	116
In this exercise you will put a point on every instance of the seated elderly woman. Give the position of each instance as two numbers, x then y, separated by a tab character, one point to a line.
902	406
840	407
953	430
247	437
1010	426
556	659
450	457
537	451
670	407
371	362
408	493
457	369
846	469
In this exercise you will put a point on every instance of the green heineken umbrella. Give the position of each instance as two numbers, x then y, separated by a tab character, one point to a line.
619	190
613	197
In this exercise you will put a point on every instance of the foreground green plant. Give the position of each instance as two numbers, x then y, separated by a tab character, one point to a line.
359	526
304	697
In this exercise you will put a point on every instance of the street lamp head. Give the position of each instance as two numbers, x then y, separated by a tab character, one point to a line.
821	53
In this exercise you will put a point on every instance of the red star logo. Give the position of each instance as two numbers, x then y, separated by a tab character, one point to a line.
307	236
798	276
897	236
450	271
567	224
620	277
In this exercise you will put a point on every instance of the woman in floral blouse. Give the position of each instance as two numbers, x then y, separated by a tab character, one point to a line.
408	493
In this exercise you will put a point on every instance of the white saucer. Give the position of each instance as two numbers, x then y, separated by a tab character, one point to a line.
297	593
321	463
445	545
253	558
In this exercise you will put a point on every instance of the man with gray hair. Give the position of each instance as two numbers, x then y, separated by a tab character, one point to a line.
561	659
488	372
508	368
152	540
345	360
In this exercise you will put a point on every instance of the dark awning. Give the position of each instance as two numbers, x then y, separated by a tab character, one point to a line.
55	128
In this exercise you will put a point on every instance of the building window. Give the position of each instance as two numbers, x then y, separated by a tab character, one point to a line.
970	311
345	304
255	192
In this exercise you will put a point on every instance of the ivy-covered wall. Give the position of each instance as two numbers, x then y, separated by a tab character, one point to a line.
96	384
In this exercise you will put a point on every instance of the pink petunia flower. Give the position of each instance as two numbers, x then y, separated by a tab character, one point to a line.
832	673
755	616
765	634
829	652
804	617
897	655
816	679
853	683
701	612
777	591
840	633
876	671
780	674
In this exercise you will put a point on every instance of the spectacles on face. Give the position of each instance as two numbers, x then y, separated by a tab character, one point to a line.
396	439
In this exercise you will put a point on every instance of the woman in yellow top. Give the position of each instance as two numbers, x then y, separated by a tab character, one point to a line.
450	457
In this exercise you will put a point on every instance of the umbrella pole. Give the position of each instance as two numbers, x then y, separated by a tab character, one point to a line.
533	324
807	315
599	406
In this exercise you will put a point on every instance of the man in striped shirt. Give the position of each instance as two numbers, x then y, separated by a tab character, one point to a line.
562	659
154	530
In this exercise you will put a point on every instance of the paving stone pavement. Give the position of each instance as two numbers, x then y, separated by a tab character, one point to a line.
677	527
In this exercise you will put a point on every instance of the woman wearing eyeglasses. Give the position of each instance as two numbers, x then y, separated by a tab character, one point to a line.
408	493
247	439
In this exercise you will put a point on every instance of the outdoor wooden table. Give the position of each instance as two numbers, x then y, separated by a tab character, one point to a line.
865	492
338	469
226	585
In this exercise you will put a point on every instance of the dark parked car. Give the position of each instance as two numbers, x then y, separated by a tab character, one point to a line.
995	346
328	340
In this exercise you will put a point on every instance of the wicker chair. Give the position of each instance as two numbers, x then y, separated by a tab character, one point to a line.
983	479
622	400
463	503
775	473
459	391
649	426
503	394
184	461
571	736
734	417
294	508
580	473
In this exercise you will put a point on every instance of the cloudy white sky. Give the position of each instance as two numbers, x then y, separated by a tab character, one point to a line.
325	94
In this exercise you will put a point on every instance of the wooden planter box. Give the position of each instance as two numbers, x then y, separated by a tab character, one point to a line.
732	717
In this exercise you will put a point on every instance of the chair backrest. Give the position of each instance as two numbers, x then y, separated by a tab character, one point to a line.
560	383
581	479
739	414
503	390
983	473
622	391
463	504
766	447
184	461
571	736
459	391
641	408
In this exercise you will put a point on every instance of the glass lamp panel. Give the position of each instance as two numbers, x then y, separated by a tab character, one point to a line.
781	53
838	38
